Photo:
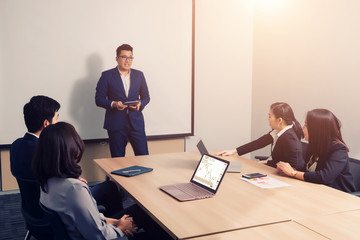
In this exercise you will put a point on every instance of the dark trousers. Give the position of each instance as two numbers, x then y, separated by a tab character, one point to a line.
119	139
108	195
152	230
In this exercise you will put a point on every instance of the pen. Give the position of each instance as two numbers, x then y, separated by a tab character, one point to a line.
129	171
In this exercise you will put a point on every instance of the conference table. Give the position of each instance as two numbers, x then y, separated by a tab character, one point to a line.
237	206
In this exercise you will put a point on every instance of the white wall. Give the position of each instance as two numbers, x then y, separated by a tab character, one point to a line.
60	48
307	53
223	73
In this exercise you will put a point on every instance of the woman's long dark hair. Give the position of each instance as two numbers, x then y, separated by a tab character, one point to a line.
284	111
323	129
58	153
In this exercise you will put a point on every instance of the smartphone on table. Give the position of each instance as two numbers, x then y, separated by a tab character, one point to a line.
254	175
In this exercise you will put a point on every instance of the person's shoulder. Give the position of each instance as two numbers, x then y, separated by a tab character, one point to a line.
290	134
67	185
109	71
337	146
291	131
136	71
27	139
17	142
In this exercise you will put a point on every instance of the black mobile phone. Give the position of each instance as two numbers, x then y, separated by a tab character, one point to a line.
254	175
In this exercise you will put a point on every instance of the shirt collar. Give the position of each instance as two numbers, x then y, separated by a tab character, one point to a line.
32	134
120	72
284	130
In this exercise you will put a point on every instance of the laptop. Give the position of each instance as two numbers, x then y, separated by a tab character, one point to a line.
234	166
204	183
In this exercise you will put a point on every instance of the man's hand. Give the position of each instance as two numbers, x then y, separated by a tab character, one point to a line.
118	105
136	107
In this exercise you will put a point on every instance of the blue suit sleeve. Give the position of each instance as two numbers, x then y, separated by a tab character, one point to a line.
101	93
144	93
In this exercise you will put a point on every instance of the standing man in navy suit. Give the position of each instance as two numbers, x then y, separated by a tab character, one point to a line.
124	122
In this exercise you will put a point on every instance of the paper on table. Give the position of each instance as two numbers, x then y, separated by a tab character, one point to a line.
266	182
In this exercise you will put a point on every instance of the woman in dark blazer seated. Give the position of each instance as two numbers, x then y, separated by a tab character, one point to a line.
327	154
284	138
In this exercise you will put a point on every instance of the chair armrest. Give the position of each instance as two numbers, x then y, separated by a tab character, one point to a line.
101	208
261	158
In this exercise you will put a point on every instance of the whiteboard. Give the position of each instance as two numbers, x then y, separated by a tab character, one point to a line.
60	48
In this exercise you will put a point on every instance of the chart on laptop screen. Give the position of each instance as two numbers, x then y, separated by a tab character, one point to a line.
209	172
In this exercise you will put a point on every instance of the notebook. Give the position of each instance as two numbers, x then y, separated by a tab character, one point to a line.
132	171
234	166
204	183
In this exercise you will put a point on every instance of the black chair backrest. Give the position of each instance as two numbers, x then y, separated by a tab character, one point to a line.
56	224
35	219
30	195
355	171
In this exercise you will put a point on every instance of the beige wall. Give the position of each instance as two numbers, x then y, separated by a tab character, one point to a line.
307	53
250	54
223	73
92	151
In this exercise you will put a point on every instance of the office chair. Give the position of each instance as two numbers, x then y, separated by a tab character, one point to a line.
37	224
57	225
355	171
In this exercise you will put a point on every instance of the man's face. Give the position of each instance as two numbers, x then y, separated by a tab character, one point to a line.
55	119
124	60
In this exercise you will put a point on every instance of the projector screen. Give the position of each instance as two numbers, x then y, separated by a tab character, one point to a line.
60	48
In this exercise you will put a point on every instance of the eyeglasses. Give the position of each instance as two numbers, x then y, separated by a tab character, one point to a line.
126	58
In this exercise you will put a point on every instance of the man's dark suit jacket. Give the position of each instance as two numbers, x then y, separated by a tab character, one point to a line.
287	149
333	169
110	88
21	154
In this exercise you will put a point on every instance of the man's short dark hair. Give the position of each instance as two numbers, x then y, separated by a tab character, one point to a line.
37	110
125	47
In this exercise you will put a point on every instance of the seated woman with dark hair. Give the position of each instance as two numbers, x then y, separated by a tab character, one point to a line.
55	165
284	138
327	154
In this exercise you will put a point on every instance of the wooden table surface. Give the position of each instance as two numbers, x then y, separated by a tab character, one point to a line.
341	225
237	204
278	231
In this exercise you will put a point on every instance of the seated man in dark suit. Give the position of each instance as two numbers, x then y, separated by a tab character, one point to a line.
39	113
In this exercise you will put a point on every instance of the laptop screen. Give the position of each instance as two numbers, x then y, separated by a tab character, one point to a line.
201	147
210	172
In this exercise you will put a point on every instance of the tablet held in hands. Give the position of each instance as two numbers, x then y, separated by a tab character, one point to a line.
131	103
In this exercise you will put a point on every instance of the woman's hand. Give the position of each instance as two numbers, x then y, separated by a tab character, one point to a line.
285	168
83	180
226	153
126	225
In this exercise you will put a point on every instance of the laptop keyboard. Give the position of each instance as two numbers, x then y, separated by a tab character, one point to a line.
194	190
